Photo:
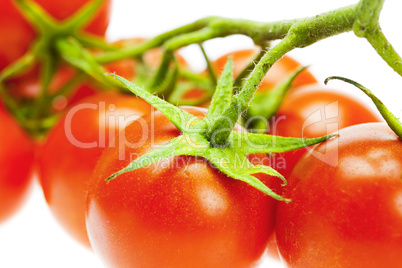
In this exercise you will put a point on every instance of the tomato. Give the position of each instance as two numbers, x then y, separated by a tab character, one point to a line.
27	87
278	73
179	212
346	209
314	112
72	149
17	34
16	165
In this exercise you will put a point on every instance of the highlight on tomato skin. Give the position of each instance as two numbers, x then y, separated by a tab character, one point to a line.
178	212
18	35
315	111
72	149
346	208
17	164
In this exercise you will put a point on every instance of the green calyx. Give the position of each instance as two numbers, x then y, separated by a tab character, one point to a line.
393	122
198	140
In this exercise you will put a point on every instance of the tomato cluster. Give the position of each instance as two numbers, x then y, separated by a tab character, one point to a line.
18	35
17	149
179	212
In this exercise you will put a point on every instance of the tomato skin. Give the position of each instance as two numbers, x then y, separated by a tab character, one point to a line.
347	214
278	73
65	165
312	112
17	34
16	165
180	212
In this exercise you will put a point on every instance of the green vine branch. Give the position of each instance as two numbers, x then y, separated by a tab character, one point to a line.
367	26
64	40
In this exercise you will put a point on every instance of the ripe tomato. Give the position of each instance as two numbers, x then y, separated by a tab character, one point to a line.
72	149
16	165
278	73
313	112
346	208
179	212
28	87
17	34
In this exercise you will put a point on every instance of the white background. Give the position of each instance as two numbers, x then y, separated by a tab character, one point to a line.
32	238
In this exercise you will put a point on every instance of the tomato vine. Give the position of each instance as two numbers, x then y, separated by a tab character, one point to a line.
65	40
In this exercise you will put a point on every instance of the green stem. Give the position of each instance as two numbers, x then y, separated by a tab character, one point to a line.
162	71
95	42
47	71
385	50
10	103
368	14
389	117
210	69
258	31
224	124
73	53
17	67
37	16
176	43
83	16
65	90
246	72
133	52
303	33
367	26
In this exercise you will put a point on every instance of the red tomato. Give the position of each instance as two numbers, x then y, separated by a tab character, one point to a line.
126	67
28	87
179	212
313	112
278	73
72	149
346	209
16	164
17	34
